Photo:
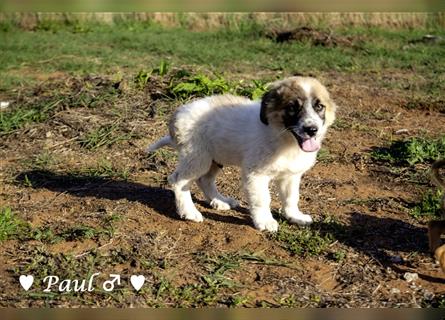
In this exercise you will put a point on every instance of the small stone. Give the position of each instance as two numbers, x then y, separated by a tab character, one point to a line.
4	104
411	276
402	131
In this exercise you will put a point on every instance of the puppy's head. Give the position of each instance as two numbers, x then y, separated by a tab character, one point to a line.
301	106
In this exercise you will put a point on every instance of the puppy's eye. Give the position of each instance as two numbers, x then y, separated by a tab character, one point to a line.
319	107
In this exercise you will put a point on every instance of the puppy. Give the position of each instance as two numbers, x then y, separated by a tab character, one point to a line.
276	138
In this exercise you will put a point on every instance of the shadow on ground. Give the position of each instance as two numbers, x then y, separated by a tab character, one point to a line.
377	237
382	239
158	198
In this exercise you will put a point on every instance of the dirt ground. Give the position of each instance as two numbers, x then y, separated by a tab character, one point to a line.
120	198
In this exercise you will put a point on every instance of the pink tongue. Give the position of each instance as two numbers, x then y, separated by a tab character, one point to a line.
310	145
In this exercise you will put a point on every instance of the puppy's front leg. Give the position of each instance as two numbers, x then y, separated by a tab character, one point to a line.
257	190
289	190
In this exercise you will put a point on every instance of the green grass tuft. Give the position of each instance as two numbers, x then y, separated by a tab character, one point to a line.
42	161
302	241
11	227
18	117
199	86
104	169
325	156
411	151
211	288
430	206
103	136
253	91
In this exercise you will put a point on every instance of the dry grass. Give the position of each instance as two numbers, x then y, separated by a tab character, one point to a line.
205	21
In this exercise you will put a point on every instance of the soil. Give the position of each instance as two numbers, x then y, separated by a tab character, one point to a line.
375	237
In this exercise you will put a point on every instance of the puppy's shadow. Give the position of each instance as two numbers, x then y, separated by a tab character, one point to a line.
382	239
375	236
225	217
159	199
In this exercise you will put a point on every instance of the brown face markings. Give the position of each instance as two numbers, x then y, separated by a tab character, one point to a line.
285	99
291	113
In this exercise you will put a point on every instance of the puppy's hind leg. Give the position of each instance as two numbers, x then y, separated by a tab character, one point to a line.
208	187
181	180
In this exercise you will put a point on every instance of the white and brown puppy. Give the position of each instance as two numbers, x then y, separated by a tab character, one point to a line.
276	138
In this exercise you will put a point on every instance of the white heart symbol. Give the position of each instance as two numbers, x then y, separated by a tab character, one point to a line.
137	281
26	281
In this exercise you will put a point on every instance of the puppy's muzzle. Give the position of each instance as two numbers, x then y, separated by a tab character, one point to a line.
307	138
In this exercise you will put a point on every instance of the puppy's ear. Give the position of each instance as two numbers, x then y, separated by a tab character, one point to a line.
268	99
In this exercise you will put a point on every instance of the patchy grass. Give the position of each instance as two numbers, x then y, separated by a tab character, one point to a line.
143	76
104	169
11	227
302	241
103	136
341	124
184	84
80	232
44	160
411	151
325	156
430	104
199	86
11	120
254	91
42	101
430	206
215	286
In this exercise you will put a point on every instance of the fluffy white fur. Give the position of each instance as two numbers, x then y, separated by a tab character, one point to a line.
227	130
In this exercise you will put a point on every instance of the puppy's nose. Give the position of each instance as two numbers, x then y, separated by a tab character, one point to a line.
310	130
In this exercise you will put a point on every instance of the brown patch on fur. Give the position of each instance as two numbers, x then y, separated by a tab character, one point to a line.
436	228
439	254
284	93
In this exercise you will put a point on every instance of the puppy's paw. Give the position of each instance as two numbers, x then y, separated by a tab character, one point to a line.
219	204
223	204
299	218
266	224
193	215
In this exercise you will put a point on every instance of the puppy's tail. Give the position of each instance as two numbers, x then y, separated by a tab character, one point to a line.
164	141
